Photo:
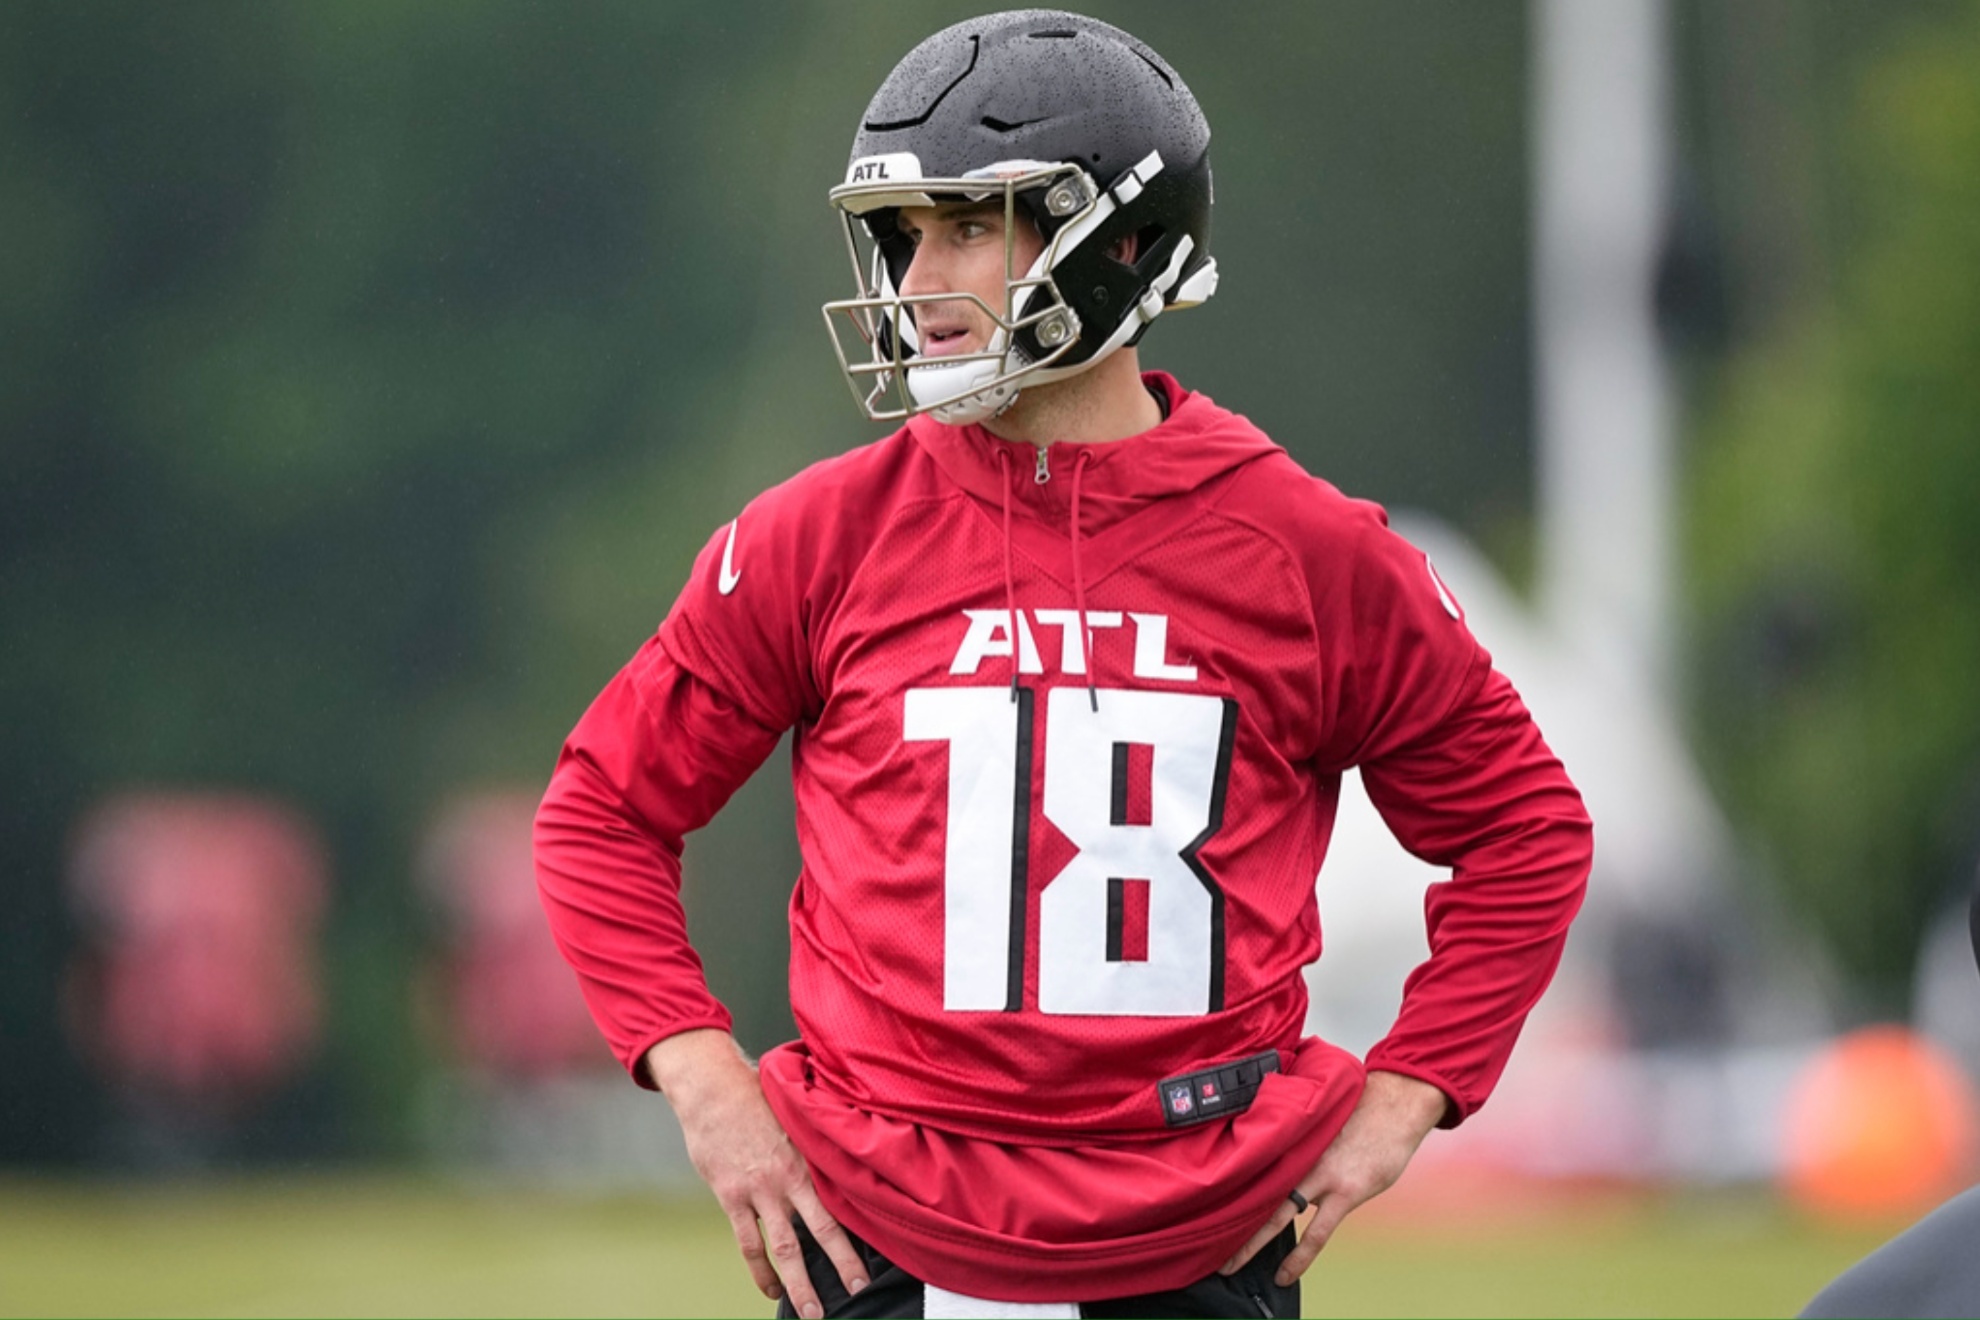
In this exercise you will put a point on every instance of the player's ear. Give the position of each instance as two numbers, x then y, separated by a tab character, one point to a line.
1129	248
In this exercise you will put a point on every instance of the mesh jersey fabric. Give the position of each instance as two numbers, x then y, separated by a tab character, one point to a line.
1040	878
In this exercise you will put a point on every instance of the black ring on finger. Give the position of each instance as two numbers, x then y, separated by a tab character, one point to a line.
1299	1202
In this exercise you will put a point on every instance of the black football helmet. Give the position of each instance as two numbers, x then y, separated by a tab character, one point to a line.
1078	128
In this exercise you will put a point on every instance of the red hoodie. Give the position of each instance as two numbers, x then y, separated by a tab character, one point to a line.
1049	867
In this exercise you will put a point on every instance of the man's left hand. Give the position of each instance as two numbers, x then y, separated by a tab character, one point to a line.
1371	1151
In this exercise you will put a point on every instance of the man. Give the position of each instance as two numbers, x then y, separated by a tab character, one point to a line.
1075	661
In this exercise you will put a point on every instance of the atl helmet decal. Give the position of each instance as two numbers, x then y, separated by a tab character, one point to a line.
900	165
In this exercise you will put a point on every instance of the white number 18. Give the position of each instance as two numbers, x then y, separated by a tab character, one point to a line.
1133	924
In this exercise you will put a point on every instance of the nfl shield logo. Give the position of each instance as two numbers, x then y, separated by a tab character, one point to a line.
1180	1100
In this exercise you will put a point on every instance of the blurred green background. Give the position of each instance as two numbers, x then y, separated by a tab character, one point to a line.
373	372
377	1246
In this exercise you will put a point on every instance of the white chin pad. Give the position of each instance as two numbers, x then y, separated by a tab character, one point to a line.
929	381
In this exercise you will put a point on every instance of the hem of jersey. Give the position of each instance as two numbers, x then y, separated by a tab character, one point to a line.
953	1255
1064	1258
1153	1262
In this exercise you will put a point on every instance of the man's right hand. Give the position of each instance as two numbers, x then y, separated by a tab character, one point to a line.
757	1175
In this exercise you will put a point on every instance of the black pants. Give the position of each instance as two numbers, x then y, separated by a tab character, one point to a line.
893	1292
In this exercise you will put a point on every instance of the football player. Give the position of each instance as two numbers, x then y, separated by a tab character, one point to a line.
1076	659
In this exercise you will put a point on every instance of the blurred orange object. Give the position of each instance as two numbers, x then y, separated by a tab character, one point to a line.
1881	1122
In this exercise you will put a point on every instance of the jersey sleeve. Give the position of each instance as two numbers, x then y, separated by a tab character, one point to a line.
1395	654
1454	763
1481	793
654	758
761	591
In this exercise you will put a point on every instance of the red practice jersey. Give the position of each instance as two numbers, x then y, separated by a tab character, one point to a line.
1048	867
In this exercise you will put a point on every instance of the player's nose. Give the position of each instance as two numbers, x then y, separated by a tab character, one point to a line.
925	273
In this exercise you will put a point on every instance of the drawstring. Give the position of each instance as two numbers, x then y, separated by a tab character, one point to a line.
1079	580
1010	575
1079	585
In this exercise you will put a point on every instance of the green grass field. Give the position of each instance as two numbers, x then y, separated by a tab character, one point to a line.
355	1245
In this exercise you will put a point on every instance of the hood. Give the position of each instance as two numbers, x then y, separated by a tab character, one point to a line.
1089	488
1198	441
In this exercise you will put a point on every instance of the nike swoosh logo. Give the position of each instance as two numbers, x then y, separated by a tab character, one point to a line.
1443	592
727	582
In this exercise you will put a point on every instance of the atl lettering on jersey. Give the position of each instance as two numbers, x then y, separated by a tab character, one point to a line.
988	634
